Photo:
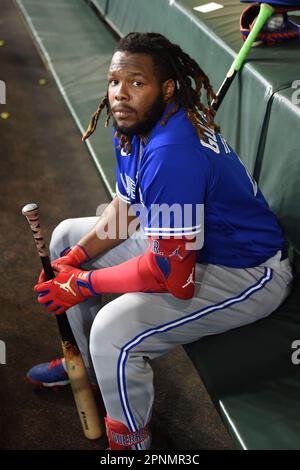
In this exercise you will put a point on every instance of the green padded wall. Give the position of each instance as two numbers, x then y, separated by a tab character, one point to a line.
138	15
77	48
280	169
101	5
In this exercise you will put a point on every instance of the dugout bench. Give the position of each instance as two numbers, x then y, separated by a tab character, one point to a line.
248	372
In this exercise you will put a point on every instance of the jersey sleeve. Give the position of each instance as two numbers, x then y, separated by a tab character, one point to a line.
173	185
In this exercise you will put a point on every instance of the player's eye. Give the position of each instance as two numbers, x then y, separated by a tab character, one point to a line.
113	82
137	84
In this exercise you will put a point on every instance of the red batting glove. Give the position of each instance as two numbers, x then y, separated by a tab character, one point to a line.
70	287
74	256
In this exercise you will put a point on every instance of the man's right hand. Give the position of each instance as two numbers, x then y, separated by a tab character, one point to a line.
75	256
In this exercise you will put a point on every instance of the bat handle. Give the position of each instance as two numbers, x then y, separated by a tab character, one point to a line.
265	12
32	214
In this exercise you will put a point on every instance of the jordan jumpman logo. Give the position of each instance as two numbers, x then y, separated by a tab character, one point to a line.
190	279
66	286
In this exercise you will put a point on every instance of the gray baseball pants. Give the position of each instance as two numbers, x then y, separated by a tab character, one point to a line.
118	340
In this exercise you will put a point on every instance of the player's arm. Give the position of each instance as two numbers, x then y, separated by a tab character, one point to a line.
167	266
92	244
115	214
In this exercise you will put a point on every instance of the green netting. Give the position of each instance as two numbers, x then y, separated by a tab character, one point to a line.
78	49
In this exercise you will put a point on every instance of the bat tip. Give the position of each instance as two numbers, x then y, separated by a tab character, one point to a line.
29	208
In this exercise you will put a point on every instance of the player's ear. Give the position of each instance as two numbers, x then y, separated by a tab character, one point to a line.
169	88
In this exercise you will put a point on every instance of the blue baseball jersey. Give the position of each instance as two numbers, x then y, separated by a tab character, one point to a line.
182	185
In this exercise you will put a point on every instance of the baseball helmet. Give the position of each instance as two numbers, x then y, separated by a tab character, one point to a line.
279	27
281	3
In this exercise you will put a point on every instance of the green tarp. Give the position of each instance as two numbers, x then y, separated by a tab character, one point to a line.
280	167
78	48
101	5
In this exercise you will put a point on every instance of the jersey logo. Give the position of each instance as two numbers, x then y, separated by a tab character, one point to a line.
129	185
212	141
190	279
66	286
124	154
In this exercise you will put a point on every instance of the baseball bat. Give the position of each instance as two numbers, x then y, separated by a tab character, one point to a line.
81	387
264	13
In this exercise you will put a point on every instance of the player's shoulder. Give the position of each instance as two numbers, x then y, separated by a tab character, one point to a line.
177	130
175	149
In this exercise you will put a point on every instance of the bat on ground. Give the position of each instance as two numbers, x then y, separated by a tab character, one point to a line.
81	387
264	13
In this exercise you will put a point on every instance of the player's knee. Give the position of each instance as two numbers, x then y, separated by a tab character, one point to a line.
107	331
60	238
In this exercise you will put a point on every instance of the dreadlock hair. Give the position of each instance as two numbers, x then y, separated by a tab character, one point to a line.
170	62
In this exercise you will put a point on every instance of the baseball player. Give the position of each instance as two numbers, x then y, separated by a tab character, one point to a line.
216	262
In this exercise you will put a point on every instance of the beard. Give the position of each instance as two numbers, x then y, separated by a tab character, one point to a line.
143	127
